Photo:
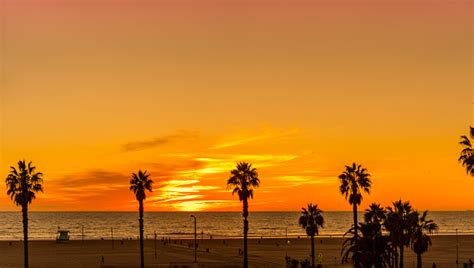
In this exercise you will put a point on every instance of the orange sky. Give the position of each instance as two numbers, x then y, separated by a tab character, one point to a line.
94	90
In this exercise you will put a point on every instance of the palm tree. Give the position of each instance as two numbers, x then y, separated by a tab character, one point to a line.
372	248
399	223
139	184
421	240
22	185
375	214
467	153
354	181
243	180
311	219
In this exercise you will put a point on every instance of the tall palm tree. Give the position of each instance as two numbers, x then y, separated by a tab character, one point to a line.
354	181
243	180
311	219
421	240
399	223
22	185
467	154
139	184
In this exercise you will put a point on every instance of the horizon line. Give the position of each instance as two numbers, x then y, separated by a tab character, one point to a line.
216	211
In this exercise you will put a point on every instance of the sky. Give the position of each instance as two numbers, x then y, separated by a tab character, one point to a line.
92	91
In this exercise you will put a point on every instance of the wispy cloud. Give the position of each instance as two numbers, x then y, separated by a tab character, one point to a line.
252	137
184	195
198	205
87	190
297	180
159	141
91	180
223	163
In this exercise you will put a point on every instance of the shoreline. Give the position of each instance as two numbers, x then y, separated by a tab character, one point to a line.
220	237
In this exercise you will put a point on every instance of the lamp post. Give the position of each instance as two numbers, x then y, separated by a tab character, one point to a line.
195	237
112	236
457	249
154	242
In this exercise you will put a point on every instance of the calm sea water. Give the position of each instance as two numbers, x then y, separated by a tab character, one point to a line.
97	225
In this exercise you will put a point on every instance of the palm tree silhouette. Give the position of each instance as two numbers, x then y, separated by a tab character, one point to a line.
372	248
139	184
243	180
375	214
421	240
354	181
399	223
467	154
311	219
22	185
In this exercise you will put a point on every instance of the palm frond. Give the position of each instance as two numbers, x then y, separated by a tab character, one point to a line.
23	183
243	180
140	183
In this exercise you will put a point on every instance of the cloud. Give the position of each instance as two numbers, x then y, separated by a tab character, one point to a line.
297	180
91	180
88	190
249	138
223	163
175	189
159	141
184	195
198	205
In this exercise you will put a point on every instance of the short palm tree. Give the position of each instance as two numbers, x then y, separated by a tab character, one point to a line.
22	185
354	181
311	219
243	180
467	153
139	184
375	214
372	248
421	239
399	223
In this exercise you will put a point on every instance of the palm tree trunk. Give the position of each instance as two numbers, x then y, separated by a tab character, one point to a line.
140	220
418	260
356	234
246	229
24	210
245	214
312	252
395	251
392	261
401	256
354	210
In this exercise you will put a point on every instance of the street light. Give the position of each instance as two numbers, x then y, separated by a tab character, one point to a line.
195	237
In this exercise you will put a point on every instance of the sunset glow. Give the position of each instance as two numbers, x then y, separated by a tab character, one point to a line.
184	89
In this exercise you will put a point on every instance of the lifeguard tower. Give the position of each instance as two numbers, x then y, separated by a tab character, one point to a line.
62	235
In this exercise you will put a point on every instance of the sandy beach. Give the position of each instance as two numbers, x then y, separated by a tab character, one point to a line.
265	252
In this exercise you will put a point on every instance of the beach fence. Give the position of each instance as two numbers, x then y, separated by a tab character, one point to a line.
204	265
239	265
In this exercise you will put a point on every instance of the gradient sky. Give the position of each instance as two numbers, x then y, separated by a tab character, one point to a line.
95	90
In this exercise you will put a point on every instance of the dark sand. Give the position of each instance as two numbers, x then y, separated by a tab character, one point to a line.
262	253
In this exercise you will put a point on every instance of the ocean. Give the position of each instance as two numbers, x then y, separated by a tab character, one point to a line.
97	225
